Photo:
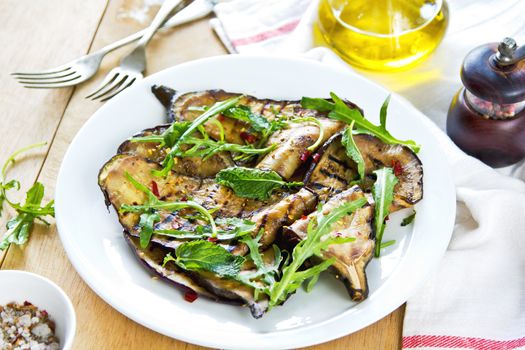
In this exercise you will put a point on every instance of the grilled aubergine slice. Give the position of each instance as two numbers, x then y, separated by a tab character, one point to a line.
335	171
350	258
281	209
191	166
203	283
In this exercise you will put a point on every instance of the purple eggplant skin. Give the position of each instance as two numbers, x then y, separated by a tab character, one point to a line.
152	259
166	97
203	283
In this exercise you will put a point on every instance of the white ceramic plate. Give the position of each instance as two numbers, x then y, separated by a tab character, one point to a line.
93	237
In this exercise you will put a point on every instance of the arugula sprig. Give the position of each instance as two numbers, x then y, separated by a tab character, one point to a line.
252	182
383	193
181	132
258	123
317	122
150	208
232	228
19	227
314	244
340	111
352	151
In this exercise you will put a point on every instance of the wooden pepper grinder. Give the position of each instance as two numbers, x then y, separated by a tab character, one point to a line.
486	118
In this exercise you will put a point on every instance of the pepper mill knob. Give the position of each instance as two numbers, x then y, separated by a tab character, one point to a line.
485	118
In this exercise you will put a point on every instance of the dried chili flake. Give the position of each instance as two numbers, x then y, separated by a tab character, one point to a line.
220	117
396	166
212	239
155	189
304	217
190	296
316	157
304	157
246	136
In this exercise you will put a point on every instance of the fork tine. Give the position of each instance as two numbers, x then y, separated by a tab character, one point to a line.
47	82
55	70
108	79
75	81
110	87
47	76
122	87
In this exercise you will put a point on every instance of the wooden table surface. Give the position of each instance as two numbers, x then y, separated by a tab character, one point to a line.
43	34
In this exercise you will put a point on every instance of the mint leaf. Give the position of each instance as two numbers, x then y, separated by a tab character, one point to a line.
383	193
352	151
205	256
252	183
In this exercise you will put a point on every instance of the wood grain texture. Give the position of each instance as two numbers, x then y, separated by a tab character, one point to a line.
99	325
33	38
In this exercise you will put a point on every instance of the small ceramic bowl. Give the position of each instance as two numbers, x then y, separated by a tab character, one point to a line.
19	286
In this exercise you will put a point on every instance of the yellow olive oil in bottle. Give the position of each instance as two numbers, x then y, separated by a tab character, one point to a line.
383	34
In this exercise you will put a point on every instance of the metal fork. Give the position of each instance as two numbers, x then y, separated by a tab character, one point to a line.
134	64
83	68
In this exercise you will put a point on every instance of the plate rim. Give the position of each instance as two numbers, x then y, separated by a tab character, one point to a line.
205	341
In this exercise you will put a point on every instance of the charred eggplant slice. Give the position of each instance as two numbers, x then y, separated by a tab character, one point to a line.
191	166
350	258
334	170
203	283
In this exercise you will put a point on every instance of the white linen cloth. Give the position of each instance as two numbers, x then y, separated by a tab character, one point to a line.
477	298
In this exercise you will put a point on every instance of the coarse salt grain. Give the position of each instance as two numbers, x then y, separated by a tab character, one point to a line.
24	326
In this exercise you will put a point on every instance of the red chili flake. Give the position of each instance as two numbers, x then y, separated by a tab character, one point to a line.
27	303
304	217
220	117
338	234
387	217
212	239
155	189
190	296
246	136
44	312
398	169
316	157
304	157
184	199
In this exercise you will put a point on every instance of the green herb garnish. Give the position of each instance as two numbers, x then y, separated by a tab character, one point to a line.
352	151
409	219
383	193
206	256
245	114
234	228
316	121
149	211
20	226
314	244
178	138
340	111
387	244
251	182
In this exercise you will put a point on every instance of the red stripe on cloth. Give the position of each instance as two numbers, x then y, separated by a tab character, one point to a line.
286	28
446	341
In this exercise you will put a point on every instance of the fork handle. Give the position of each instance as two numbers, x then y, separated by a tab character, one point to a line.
169	7
172	22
